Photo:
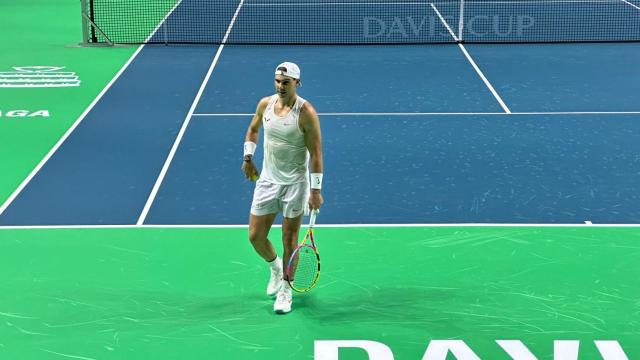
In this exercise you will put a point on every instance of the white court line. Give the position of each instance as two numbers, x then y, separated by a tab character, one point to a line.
473	63
187	120
446	113
163	20
66	135
245	226
635	6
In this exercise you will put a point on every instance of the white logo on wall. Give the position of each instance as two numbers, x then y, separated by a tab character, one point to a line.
38	77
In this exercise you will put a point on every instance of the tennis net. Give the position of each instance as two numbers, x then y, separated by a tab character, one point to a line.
357	22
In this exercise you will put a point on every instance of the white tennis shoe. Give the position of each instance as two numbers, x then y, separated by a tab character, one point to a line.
275	281
283	300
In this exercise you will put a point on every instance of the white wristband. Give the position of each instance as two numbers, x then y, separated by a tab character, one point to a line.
249	147
316	181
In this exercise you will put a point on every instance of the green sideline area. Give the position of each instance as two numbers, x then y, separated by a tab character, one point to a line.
199	293
45	33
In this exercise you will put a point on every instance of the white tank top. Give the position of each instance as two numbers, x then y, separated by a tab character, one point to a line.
286	157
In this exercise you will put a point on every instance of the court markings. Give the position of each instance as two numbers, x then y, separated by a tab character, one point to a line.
187	120
246	226
473	63
447	113
635	6
191	113
66	135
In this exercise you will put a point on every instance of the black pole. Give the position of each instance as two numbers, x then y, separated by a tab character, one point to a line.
94	38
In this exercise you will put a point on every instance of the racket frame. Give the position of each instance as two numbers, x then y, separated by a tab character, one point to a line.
303	244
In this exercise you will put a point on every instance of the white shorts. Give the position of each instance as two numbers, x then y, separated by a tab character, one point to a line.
270	198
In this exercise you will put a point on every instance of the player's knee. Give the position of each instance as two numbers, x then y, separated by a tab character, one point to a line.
256	237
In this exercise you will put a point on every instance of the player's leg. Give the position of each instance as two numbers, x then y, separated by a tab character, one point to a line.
290	236
293	203
264	209
259	227
290	231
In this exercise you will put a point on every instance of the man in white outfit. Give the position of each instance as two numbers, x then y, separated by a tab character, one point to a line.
292	147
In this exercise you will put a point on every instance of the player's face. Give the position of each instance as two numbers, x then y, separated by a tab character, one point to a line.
285	86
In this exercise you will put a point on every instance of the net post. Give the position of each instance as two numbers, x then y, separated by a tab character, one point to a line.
91	39
461	22
94	28
94	38
85	25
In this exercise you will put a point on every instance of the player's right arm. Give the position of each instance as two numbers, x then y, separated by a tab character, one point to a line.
251	140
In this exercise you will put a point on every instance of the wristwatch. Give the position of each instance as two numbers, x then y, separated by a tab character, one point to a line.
248	158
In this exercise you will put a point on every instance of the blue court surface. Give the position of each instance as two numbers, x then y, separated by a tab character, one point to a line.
413	134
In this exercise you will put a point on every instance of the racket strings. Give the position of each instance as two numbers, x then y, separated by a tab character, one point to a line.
307	269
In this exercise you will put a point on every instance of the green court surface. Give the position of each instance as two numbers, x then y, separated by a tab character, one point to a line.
200	293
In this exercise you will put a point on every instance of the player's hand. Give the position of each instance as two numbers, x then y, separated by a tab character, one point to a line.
315	199
250	170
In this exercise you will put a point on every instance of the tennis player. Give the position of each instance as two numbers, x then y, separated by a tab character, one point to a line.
292	144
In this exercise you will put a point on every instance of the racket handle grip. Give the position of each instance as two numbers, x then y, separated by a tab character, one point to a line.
312	218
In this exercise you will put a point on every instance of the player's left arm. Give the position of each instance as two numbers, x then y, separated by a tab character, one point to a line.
310	124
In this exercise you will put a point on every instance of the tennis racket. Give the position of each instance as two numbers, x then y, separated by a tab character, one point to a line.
303	269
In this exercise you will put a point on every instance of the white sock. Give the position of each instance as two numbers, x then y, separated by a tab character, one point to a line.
276	264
